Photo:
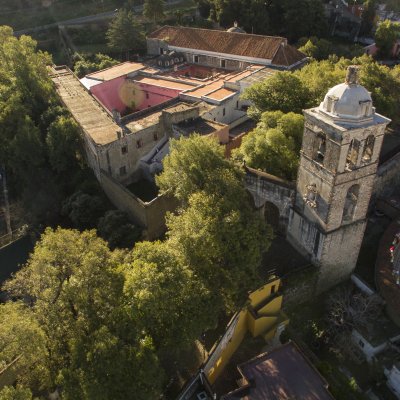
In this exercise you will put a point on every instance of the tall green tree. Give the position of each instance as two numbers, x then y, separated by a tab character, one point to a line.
314	80
168	297
198	165
304	18
385	37
274	146
23	347
368	17
63	141
216	233
153	10
284	91
124	34
96	348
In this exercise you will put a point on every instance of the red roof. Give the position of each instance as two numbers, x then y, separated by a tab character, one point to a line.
240	44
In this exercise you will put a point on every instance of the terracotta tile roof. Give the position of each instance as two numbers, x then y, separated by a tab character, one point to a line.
287	55
255	46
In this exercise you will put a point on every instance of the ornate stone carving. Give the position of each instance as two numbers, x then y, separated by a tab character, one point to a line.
310	195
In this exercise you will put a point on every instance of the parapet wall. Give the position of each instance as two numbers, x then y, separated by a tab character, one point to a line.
150	216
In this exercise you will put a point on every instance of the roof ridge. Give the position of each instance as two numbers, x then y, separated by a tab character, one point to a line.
218	30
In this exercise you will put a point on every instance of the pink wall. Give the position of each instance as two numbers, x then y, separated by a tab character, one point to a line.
108	93
120	94
149	95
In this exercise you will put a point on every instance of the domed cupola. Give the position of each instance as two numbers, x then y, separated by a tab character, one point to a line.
348	103
235	28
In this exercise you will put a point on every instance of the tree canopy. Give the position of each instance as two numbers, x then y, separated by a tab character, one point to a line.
305	88
124	34
274	145
96	347
85	65
385	37
216	232
40	147
153	10
291	18
283	91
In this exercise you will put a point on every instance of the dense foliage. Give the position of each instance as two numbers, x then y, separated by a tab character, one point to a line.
385	37
40	147
86	339
321	49
100	324
274	145
153	9
291	18
216	232
305	88
124	34
85	65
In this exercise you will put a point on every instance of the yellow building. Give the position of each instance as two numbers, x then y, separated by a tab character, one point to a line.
261	316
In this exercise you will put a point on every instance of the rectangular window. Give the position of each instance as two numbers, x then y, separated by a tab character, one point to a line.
273	289
237	104
161	50
147	95
196	59
361	343
223	63
223	112
155	136
139	143
124	149
122	171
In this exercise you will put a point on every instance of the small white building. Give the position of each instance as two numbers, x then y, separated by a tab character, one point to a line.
376	338
393	379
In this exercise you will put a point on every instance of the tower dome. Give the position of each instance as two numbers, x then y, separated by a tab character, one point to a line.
348	102
235	28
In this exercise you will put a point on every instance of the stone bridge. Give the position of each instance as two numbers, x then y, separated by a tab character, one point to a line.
272	196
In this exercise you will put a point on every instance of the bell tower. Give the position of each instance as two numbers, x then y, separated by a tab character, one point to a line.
338	161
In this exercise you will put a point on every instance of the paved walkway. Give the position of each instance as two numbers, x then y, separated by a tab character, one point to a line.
385	281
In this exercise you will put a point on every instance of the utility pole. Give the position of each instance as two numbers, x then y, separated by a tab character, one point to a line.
6	206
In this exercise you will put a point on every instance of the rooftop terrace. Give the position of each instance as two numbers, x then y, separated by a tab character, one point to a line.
116	71
90	115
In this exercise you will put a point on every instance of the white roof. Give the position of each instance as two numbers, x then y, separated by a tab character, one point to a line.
88	82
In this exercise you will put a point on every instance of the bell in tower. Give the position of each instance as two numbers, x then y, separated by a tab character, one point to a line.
338	162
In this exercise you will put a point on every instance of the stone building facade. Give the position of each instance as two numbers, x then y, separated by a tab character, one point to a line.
339	159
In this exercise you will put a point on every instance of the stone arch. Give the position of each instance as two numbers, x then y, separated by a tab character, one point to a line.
272	216
350	203
368	148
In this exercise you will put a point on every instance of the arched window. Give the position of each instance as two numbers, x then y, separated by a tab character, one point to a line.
350	203
320	148
352	155
368	148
